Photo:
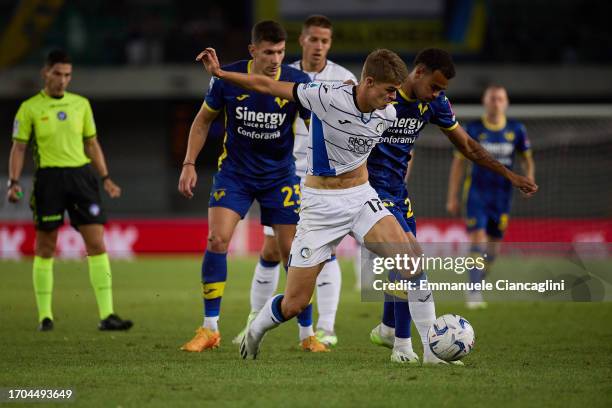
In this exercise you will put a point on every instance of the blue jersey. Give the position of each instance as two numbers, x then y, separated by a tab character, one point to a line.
259	133
388	161
502	142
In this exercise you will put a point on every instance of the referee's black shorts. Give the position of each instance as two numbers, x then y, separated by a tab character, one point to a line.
61	189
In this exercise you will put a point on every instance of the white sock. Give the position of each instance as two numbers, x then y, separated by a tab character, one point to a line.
328	295
211	322
305	332
386	331
423	312
263	285
403	345
266	320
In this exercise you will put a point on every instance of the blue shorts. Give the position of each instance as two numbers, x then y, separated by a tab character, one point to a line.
401	208
488	212
279	199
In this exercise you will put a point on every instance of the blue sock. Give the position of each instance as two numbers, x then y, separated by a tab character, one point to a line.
214	275
401	311
402	319
305	316
388	317
276	308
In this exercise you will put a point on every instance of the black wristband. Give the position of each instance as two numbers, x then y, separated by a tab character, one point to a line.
105	177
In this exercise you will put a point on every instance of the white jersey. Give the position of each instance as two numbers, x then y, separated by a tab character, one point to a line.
331	74
341	136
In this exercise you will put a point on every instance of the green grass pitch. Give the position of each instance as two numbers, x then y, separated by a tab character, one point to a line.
526	354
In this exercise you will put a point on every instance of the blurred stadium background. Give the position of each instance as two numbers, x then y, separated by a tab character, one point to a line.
134	60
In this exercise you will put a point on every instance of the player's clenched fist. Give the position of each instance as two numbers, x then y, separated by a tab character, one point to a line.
112	189
187	181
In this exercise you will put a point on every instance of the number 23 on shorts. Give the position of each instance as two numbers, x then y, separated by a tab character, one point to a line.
293	195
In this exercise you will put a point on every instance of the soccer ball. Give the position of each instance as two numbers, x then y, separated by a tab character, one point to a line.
451	337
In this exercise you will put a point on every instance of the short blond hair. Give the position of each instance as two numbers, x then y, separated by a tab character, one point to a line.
384	66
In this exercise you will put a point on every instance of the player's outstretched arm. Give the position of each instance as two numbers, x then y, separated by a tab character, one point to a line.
16	159
93	150
472	150
251	82
197	138
457	172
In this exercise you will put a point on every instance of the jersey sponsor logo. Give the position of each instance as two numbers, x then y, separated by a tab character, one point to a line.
360	144
409	140
406	126
343	122
257	119
280	102
257	135
501	151
242	97
380	127
61	115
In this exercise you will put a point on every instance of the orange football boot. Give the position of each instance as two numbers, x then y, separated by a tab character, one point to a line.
313	344
203	340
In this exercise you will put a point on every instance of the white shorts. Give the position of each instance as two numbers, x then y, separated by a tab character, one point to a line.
269	231
327	216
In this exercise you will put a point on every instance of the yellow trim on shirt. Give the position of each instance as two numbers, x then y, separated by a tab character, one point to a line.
210	109
448	129
493	127
403	95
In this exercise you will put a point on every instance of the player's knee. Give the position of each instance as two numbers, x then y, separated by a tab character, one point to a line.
45	250
217	242
95	248
45	244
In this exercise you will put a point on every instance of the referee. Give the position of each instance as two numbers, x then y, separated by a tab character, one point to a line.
60	127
